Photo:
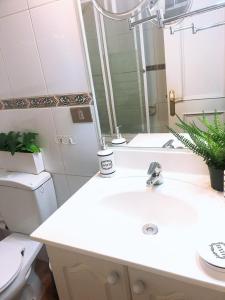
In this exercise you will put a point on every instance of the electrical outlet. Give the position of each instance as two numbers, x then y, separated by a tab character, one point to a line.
58	139
65	140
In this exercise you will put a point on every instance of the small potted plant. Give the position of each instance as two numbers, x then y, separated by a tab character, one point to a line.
209	143
20	152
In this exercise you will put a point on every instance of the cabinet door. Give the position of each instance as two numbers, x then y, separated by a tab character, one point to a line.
148	286
80	277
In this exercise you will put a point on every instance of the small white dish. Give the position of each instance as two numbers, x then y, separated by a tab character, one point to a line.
213	253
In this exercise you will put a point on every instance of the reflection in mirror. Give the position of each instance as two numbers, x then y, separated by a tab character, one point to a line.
134	70
122	9
171	8
128	69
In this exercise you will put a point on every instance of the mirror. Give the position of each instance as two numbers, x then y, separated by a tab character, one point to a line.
120	9
171	8
142	77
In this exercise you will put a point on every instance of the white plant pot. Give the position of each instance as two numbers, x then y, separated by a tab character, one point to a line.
22	162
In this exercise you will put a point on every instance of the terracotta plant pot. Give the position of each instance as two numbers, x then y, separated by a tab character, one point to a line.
216	178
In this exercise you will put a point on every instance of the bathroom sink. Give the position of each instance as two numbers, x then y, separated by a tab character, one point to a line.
151	206
170	205
154	228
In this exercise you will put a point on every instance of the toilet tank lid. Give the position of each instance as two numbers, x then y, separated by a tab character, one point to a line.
23	180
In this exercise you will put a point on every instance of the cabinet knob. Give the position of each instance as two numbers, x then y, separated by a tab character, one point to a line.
138	287
113	278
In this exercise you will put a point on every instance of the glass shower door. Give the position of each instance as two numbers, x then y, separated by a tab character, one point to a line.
126	76
128	68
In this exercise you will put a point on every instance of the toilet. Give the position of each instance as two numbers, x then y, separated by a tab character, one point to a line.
26	201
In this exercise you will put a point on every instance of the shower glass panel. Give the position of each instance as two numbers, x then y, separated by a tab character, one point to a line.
125	76
156	77
128	69
95	60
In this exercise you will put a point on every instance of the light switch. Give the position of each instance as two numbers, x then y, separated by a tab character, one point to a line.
81	114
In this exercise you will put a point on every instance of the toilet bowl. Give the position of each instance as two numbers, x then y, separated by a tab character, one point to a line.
25	202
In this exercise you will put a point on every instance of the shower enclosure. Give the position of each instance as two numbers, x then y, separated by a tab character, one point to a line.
128	70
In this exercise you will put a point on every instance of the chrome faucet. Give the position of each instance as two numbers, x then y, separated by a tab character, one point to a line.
155	177
168	144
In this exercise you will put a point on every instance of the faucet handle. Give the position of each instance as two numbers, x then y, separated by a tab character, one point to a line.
154	167
169	144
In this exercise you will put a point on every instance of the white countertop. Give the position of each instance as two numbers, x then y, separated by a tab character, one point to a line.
155	140
87	223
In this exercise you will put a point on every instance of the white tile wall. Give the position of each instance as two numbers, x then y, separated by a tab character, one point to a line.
58	38
42	53
4	121
42	48
72	165
20	55
12	6
34	3
5	91
76	182
79	159
66	186
62	188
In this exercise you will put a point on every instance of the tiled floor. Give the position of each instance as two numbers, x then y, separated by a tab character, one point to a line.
45	275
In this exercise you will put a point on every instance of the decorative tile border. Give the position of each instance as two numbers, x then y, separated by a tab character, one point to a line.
46	101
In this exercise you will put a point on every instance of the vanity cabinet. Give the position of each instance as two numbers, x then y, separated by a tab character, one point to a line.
149	286
82	277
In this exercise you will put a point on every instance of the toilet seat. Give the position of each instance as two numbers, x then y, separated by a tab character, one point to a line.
11	260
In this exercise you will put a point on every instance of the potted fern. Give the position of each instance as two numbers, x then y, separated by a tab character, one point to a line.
20	152
209	143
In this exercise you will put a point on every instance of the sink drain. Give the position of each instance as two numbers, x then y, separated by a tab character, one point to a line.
150	229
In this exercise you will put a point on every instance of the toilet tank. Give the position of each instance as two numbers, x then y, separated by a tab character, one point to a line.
26	200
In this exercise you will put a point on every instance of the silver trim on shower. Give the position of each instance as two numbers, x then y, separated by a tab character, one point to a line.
158	17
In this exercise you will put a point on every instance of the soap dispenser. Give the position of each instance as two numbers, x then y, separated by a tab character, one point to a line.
119	140
106	160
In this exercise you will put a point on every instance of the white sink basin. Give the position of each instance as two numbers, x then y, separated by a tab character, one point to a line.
150	205
120	207
128	202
